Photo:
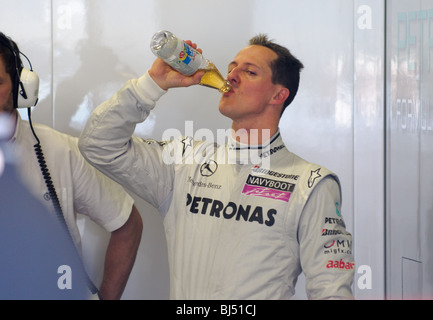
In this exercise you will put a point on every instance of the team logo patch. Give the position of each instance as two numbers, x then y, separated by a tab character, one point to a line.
208	168
268	188
313	176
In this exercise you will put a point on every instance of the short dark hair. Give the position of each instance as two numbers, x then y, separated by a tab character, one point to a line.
286	68
10	54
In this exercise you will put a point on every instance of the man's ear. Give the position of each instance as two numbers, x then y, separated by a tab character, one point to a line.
281	95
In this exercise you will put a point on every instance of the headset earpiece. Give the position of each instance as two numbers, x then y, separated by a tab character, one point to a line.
26	82
28	89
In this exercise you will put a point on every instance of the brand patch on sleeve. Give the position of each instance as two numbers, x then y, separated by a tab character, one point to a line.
268	188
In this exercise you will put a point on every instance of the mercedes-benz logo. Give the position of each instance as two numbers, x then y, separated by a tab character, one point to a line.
208	168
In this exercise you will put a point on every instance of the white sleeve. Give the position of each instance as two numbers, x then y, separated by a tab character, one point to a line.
97	196
109	128
108	144
325	245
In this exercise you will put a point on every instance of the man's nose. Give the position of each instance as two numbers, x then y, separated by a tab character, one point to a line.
233	76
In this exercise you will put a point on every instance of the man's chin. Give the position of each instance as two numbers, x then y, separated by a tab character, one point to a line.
223	109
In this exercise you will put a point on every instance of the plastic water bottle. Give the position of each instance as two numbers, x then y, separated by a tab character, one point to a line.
185	59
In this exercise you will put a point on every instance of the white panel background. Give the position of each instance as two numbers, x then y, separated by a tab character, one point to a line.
84	50
410	150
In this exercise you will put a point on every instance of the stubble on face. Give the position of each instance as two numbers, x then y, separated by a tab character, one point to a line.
250	74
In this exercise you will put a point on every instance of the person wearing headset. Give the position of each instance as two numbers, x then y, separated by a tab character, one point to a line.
245	216
60	177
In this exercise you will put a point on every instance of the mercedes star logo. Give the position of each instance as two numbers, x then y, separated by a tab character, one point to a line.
208	168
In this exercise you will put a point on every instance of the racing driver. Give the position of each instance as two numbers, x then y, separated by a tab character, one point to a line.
244	218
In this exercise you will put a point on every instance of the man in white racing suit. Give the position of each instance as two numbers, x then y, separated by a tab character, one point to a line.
242	219
59	177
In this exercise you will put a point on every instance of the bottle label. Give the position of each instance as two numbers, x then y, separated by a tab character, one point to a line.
187	54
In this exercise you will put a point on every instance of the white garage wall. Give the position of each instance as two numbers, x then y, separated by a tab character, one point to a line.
409	150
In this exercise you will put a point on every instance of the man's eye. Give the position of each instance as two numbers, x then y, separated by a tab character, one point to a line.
251	72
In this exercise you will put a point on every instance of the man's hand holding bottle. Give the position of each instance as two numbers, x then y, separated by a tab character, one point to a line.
166	77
